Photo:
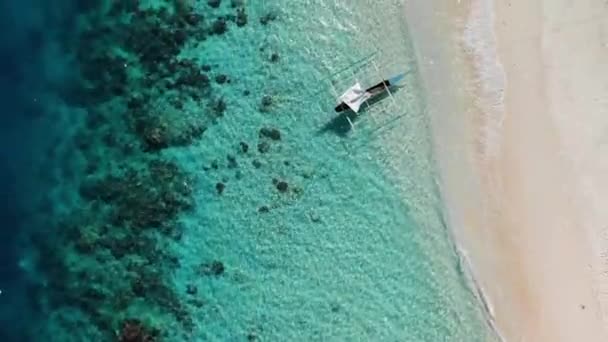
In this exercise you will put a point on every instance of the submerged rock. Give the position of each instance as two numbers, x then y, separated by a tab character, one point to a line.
156	138
219	187
244	147
221	79
232	163
219	26
282	186
197	303
193	79
133	330
271	133
267	18
266	101
138	287
215	268
252	336
192	19
263	147
214	3
219	107
191	289
241	17
314	217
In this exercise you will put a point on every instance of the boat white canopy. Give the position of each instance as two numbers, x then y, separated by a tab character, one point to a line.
354	97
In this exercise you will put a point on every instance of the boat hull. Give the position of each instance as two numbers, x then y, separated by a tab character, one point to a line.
375	91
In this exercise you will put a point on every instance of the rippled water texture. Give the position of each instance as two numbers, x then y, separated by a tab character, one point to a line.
189	180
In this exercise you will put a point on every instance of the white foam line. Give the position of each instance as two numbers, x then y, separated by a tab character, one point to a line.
479	40
490	82
469	271
465	262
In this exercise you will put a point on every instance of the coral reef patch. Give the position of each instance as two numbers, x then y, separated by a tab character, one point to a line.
107	255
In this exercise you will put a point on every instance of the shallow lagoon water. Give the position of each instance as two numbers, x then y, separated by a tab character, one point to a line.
346	257
356	247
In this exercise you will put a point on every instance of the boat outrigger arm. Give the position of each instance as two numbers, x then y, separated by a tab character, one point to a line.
355	96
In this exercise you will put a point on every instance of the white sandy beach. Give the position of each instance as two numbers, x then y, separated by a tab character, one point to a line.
519	103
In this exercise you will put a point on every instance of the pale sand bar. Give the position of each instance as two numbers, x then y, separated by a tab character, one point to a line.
524	173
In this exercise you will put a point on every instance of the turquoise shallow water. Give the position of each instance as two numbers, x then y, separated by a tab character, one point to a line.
351	247
360	253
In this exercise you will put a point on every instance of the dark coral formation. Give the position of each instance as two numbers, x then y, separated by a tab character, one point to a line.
117	237
232	163
134	331
214	3
144	198
282	186
153	40
157	36
221	79
241	17
191	289
267	135
244	147
271	133
214	268
101	288
267	18
274	57
263	147
219	187
219	26
266	101
137	90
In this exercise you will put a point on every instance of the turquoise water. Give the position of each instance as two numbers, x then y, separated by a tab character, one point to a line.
321	234
375	266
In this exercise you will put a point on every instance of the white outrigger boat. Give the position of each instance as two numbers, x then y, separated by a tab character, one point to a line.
355	96
363	94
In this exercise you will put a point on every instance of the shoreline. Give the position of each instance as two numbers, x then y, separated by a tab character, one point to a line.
440	77
512	191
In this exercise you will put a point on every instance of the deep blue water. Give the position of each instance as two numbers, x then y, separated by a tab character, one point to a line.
25	27
17	42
